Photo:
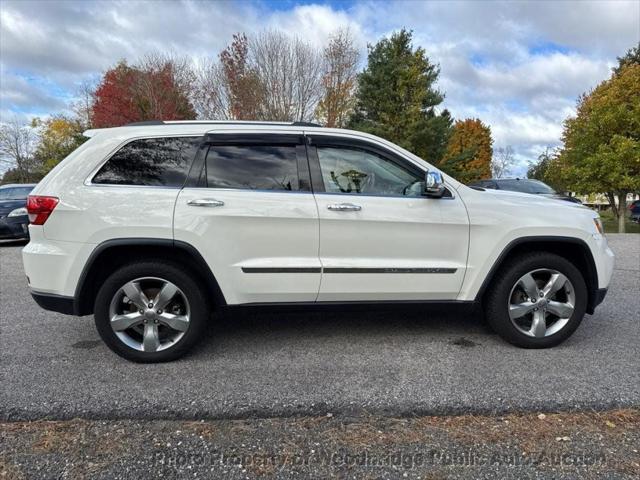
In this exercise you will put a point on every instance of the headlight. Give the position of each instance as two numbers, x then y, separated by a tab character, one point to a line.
18	212
598	223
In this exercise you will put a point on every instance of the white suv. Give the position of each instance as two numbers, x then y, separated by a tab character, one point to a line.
152	226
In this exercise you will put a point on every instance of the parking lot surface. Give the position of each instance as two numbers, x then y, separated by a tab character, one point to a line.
257	364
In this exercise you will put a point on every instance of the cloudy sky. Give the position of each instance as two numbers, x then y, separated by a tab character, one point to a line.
519	66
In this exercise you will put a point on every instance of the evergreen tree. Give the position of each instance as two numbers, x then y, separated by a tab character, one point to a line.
396	98
632	57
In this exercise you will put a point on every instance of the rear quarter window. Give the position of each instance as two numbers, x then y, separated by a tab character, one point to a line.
160	162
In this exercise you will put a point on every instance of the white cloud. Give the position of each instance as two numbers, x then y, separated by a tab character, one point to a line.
315	23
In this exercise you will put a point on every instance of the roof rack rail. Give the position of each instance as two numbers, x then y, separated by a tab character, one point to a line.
145	123
305	124
220	122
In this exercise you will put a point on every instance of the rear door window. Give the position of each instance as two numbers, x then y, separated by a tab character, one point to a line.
160	162
252	167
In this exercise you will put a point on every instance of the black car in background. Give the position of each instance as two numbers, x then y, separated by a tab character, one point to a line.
524	185
634	207
14	220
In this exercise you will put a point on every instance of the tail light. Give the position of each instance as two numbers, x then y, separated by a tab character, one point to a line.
39	208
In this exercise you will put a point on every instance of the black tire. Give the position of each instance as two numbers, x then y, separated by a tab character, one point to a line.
497	298
179	276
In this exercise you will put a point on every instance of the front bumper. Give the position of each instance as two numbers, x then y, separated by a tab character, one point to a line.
599	297
604	263
14	227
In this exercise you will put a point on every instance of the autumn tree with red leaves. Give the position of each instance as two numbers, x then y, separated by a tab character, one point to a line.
245	90
157	89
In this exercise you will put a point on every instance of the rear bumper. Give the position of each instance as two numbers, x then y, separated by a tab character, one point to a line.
55	303
53	267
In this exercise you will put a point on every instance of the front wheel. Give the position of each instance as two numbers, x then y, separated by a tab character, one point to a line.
537	301
150	311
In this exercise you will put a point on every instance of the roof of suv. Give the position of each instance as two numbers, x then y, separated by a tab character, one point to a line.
206	123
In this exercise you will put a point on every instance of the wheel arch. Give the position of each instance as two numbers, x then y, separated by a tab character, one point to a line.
573	249
112	254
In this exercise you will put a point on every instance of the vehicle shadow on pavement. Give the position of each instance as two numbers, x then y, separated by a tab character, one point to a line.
349	326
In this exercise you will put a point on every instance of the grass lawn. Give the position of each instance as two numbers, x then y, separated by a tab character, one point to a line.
610	223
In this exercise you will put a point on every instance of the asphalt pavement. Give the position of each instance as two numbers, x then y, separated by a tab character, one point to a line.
267	365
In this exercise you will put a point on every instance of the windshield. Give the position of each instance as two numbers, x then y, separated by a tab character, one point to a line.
526	186
15	193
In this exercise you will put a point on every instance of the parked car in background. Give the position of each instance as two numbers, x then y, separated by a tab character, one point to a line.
14	220
634	207
524	185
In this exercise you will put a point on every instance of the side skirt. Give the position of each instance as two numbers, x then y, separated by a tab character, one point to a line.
427	306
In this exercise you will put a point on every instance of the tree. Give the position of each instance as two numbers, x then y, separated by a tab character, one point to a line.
290	72
632	57
13	175
246	92
601	150
339	80
502	162
158	89
114	103
538	170
17	145
83	106
469	151
210	93
59	136
271	76
396	98
548	169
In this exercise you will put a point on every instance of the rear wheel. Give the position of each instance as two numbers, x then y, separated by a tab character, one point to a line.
537	301
151	311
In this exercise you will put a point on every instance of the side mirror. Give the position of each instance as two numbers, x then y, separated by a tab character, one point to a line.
433	184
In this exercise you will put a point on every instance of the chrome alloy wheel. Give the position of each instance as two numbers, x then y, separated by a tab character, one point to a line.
541	303
149	314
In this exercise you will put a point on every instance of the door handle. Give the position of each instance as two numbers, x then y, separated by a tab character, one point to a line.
205	202
344	207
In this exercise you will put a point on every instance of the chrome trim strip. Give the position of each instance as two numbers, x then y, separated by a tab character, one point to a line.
387	270
281	269
345	270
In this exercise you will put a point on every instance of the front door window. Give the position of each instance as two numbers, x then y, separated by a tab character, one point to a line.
354	171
